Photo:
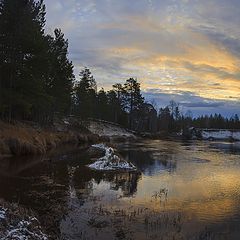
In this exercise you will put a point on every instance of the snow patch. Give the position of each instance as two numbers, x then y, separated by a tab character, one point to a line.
66	122
2	213
110	161
103	128
221	134
106	165
100	146
24	229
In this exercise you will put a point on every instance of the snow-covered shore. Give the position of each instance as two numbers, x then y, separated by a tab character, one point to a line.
108	129
220	134
18	223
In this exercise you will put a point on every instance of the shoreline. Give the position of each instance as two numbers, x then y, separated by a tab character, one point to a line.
29	138
25	139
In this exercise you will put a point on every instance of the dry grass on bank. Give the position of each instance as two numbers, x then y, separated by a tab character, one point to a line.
23	139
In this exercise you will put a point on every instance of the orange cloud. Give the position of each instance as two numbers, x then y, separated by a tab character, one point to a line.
203	67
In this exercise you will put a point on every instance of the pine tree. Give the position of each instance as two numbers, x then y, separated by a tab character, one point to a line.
133	98
102	105
115	98
116	105
86	91
164	119
21	46
60	77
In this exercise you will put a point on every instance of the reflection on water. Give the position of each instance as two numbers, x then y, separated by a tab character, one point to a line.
151	162
184	190
232	148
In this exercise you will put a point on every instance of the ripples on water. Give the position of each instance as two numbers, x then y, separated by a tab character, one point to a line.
184	190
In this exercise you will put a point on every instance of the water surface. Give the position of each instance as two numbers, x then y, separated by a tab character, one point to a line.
183	190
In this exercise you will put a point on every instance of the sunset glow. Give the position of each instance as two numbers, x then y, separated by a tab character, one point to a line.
186	50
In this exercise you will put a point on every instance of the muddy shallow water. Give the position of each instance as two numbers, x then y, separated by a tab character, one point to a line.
183	190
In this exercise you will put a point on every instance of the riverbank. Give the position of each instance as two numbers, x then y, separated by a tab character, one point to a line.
113	131
17	222
32	139
229	135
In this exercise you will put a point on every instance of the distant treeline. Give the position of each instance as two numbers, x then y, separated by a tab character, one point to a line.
37	81
170	119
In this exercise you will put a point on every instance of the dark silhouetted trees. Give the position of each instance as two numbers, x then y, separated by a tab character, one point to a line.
170	119
86	95
216	121
35	74
60	77
37	81
122	104
21	48
132	99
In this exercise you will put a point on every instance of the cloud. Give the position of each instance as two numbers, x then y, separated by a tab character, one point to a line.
174	46
188	101
204	104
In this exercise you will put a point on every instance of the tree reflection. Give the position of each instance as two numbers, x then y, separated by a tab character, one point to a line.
124	181
151	163
232	148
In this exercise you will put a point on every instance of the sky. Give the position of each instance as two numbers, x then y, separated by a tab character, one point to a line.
182	50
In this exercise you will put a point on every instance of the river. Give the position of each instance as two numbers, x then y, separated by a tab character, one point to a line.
183	190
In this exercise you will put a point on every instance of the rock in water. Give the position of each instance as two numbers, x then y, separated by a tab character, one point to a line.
110	161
